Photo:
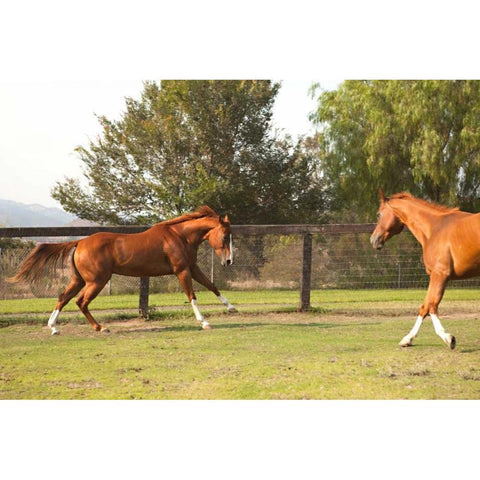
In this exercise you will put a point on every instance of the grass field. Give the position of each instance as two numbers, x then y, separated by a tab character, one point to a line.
346	348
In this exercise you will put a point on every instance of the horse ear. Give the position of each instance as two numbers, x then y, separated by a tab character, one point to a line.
382	196
225	219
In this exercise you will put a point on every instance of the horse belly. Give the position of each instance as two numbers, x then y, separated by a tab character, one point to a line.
465	247
466	266
143	270
140	260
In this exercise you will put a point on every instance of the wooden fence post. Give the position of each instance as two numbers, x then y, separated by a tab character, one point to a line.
143	300
305	281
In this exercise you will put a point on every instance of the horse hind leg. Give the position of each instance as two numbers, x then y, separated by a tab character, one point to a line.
92	289
75	285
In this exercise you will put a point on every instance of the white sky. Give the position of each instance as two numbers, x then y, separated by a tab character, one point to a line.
42	122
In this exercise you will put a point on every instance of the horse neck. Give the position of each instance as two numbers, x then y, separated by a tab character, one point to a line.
419	218
195	230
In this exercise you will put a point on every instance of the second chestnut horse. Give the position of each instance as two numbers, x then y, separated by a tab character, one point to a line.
450	240
169	247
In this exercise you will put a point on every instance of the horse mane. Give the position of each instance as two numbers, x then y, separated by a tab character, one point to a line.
202	212
425	203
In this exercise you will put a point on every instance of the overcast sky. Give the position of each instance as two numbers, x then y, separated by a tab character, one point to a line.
42	122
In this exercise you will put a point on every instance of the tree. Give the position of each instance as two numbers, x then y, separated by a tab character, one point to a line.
420	136
188	143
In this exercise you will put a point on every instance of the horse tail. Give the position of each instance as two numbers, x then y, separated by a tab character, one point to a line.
43	259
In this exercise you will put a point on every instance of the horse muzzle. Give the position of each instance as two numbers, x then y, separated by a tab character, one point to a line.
226	261
377	241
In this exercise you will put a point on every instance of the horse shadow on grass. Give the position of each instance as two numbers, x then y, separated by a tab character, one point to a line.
240	326
469	350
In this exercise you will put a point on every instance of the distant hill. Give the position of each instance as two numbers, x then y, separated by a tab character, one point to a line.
79	222
15	214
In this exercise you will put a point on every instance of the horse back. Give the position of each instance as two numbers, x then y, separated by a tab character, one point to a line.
150	253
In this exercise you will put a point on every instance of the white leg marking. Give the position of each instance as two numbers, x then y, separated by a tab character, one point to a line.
439	330
231	248
196	311
198	315
416	327
229	306
52	321
406	341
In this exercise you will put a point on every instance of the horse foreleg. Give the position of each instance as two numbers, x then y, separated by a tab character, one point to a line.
201	278
436	289
407	340
448	338
185	279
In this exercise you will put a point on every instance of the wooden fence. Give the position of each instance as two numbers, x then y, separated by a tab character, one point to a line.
306	231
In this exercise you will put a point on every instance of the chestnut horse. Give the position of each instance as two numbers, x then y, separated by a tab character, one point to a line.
450	242
167	248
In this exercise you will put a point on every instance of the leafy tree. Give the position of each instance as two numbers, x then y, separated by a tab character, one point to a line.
421	136
187	143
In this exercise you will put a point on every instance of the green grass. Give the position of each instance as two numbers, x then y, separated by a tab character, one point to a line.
345	349
266	297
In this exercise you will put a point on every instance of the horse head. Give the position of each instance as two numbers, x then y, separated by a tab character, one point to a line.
388	224
220	239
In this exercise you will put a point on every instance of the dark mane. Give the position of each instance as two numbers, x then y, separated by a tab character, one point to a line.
425	203
204	211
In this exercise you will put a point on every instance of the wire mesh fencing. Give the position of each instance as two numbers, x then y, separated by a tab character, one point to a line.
265	262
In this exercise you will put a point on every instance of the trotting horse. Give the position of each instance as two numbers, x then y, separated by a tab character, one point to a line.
450	242
169	247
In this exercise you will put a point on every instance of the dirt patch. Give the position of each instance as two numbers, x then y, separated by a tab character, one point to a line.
223	320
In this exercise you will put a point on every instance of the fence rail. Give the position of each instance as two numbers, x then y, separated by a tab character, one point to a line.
38	232
244	230
295	257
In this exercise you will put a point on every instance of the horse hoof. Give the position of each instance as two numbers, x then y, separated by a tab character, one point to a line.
206	326
405	342
451	342
104	330
55	331
232	310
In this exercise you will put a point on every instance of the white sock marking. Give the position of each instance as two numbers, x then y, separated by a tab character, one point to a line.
52	321
229	306
53	318
439	330
196	311
407	339
418	323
